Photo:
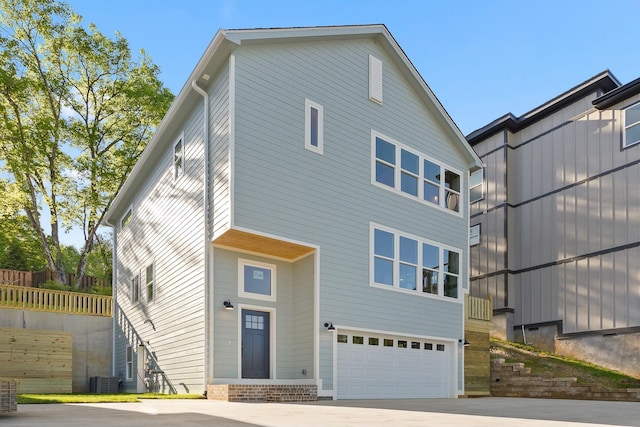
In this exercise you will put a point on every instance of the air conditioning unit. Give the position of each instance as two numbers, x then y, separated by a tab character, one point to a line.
108	385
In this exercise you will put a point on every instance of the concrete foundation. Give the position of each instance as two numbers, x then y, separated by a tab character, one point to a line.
503	324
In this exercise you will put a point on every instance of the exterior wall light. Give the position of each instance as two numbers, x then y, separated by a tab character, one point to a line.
228	305
329	326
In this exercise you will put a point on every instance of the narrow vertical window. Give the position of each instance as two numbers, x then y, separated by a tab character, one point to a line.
430	268
178	158
135	289
126	219
129	362
384	255
385	162
149	282
451	270
476	186
375	79
631	134
452	190
313	126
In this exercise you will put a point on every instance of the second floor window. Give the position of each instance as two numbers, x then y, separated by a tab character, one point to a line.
631	126
413	174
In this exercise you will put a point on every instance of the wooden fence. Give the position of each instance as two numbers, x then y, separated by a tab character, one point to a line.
55	301
36	278
478	308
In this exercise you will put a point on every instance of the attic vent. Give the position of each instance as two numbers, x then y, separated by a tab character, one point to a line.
375	79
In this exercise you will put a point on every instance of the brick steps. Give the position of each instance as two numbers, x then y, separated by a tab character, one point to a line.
514	380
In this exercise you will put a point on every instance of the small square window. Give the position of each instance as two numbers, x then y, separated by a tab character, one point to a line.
440	347
428	346
402	344
388	342
342	338
415	345
358	340
374	341
257	280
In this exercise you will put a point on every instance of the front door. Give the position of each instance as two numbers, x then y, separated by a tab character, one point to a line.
255	344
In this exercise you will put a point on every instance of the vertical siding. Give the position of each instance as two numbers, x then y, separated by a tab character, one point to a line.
167	229
328	200
572	209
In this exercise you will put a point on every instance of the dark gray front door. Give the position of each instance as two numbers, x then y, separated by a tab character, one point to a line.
255	344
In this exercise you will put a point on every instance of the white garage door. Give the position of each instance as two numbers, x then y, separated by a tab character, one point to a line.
383	367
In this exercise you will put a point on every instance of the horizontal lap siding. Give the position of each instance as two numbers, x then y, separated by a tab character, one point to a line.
167	228
219	165
329	200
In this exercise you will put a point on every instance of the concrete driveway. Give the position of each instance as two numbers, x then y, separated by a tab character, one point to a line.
491	412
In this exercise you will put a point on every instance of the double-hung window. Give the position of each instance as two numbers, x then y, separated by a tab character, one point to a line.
631	134
476	186
412	174
129	362
409	263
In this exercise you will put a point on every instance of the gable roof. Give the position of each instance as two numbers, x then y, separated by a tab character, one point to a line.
219	49
603	82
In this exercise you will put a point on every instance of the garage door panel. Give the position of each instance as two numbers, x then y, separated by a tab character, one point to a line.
377	371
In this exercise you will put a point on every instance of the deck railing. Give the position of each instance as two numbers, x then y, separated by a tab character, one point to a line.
55	301
478	308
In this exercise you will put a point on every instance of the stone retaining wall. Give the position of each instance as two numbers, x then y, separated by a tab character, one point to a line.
514	380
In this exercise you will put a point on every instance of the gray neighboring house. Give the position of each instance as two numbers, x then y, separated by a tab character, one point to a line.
555	234
297	227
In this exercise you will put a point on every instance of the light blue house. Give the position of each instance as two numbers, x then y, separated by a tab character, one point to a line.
297	228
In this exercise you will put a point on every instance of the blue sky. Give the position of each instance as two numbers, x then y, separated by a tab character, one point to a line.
481	58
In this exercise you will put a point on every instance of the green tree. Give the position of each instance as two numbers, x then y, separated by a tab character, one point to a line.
76	111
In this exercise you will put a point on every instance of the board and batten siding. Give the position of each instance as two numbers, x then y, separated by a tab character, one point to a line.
573	220
328	200
166	229
488	259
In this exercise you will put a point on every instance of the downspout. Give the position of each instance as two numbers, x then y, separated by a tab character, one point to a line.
207	244
114	298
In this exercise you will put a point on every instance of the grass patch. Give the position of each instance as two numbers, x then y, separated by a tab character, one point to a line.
98	398
542	362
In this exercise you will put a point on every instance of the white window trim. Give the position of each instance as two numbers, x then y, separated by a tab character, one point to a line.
375	79
128	362
153	282
126	218
398	170
308	105
396	272
247	262
474	239
625	126
177	174
135	301
481	185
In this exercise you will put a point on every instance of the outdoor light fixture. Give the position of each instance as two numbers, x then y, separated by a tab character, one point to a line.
228	305
329	326
464	343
